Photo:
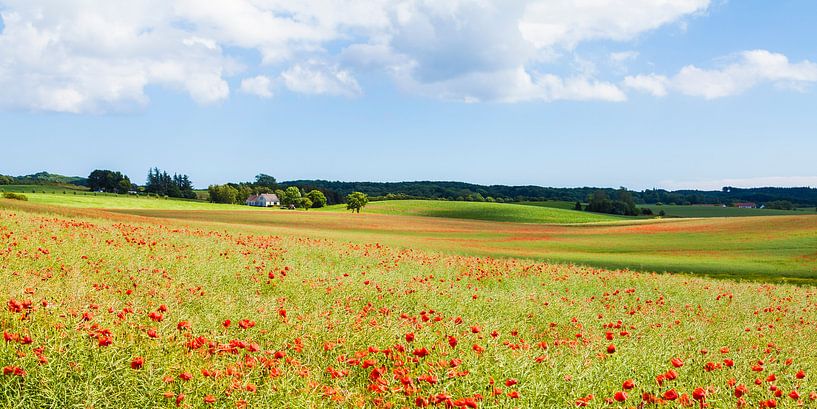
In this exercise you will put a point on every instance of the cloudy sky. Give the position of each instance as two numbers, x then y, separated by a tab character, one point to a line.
636	93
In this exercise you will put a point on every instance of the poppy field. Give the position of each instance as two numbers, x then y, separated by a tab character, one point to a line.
106	310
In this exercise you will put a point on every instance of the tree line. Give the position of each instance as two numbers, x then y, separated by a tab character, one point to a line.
162	183
459	191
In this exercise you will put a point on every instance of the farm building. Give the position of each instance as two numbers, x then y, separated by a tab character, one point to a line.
745	205
263	200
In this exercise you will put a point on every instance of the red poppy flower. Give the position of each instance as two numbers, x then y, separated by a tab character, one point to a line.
137	362
620	396
670	394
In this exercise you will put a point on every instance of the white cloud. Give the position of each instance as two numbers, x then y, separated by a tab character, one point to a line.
317	78
623	56
742	72
566	23
516	85
765	181
260	85
652	84
96	56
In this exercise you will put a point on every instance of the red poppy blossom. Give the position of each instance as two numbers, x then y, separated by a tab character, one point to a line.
137	362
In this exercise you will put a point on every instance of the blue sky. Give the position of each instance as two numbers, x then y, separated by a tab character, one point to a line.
683	93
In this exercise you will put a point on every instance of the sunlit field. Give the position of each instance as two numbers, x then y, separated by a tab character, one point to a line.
103	310
500	212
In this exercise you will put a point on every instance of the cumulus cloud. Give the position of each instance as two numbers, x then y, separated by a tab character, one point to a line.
740	73
566	23
96	56
259	85
317	78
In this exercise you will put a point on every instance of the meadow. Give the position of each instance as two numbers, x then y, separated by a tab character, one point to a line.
94	200
776	248
53	189
109	309
499	212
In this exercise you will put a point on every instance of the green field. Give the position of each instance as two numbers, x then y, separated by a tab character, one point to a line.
498	212
716	211
57	189
758	248
113	201
556	204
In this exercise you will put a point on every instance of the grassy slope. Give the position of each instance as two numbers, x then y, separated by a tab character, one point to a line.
766	248
111	201
500	212
714	211
69	189
556	204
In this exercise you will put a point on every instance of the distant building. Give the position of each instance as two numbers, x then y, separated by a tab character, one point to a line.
263	200
745	205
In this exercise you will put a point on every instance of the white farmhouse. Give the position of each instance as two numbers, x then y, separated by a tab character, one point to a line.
263	200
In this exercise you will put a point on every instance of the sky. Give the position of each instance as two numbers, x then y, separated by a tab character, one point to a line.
636	93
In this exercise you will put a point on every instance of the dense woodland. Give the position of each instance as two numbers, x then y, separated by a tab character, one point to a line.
162	183
801	196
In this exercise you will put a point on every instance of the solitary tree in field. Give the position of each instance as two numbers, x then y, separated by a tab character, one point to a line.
356	201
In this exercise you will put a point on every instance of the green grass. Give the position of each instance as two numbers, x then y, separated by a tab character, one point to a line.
44	189
716	211
555	204
499	212
113	201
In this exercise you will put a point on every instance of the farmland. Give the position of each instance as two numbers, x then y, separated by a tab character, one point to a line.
500	212
104	308
757	248
113	201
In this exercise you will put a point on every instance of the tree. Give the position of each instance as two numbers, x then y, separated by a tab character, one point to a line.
599	202
223	194
304	203
161	183
577	206
108	181
291	196
356	201
264	180
317	197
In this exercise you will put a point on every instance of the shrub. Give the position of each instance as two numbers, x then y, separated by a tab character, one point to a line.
15	196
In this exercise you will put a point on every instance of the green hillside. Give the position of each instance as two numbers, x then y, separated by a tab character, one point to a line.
114	201
501	212
69	189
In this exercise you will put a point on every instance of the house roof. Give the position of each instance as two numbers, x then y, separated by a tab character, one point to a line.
269	197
